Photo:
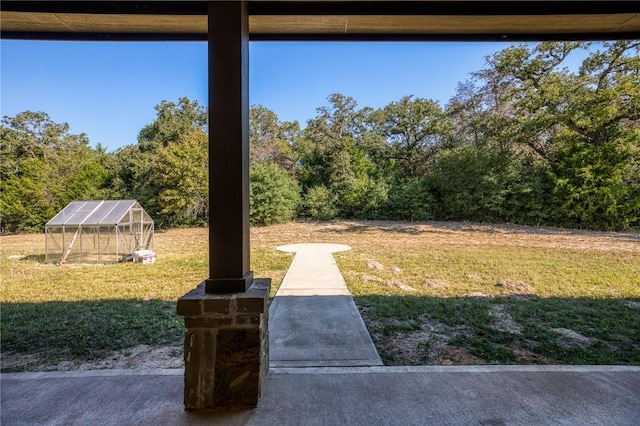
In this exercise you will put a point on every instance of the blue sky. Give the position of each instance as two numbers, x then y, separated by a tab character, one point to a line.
109	90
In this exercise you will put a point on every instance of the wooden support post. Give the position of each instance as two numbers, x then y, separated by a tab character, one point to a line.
228	148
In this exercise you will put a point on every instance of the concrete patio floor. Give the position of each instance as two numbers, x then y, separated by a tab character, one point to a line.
483	395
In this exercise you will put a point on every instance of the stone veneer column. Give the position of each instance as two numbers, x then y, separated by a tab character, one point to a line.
226	346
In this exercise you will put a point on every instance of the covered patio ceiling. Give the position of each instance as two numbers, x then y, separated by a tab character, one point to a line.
371	20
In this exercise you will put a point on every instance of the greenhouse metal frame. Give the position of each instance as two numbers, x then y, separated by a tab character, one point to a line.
98	232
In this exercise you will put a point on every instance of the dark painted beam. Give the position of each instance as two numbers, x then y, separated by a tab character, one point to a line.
468	8
228	148
382	7
108	7
62	36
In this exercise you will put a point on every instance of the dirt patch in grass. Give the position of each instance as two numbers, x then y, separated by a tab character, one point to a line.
372	264
569	338
632	304
398	284
513	286
454	355
503	321
434	284
525	357
368	277
142	357
421	342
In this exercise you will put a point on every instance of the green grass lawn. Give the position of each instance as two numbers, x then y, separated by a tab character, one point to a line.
429	293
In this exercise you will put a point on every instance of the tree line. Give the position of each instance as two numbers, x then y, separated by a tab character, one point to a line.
525	140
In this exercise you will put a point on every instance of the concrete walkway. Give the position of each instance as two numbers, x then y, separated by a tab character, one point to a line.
313	320
325	371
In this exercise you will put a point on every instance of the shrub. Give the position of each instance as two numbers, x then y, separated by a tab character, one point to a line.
320	203
409	199
274	195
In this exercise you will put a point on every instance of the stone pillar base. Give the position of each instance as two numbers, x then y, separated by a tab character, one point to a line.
226	346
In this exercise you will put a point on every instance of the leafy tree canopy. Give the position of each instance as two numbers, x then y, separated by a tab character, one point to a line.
43	168
527	139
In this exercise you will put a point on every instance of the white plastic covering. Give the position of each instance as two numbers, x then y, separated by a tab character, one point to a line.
98	231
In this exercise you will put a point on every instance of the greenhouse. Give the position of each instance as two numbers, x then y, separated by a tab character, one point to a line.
98	232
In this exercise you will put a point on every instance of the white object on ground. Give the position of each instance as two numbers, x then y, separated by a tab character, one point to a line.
144	256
